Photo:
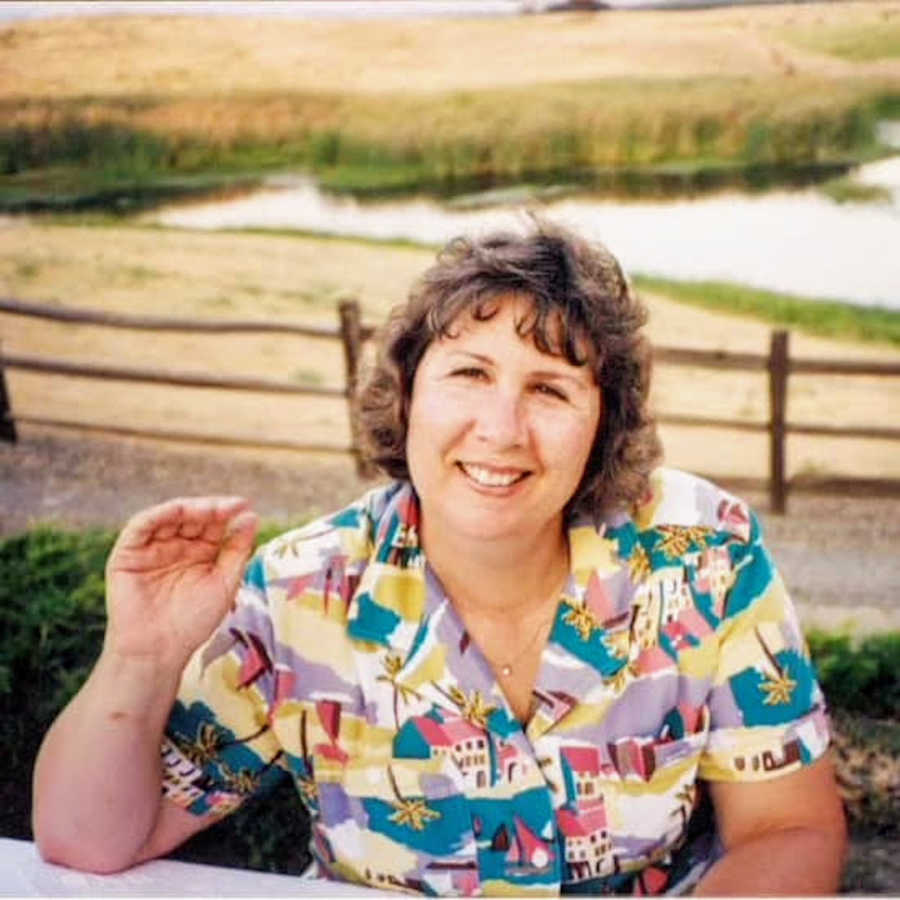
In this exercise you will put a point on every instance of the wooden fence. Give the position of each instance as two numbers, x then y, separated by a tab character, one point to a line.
352	333
778	366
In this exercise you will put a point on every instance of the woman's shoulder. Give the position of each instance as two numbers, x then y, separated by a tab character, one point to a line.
679	499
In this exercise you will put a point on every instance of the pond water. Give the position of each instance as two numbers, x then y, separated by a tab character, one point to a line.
13	10
16	10
797	241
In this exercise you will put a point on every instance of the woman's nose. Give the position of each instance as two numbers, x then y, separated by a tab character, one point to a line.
500	419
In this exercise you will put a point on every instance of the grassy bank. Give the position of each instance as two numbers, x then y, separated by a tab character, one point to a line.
826	318
633	138
628	103
126	267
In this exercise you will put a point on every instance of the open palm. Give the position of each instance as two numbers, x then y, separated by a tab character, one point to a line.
172	575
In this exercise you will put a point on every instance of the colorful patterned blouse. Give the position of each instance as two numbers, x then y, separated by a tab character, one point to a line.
675	655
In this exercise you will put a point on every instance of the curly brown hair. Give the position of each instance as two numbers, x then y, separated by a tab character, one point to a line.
580	298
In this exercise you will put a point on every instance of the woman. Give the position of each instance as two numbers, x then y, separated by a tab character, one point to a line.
528	665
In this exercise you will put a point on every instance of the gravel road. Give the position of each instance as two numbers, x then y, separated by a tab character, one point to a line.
838	554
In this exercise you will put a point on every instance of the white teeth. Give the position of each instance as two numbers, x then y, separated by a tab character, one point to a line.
490	478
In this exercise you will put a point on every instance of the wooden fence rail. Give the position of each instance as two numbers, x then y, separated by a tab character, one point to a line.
779	365
157	376
160	323
352	334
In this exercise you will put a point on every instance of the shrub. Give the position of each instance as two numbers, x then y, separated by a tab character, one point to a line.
51	619
859	677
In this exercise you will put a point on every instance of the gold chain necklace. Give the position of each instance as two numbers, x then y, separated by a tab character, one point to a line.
506	669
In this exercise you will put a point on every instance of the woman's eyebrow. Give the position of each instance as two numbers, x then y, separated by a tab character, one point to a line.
469	354
559	376
555	374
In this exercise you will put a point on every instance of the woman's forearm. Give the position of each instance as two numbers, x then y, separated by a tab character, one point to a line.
97	777
170	579
793	862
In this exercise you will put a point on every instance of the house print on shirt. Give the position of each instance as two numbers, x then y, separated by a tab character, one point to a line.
633	757
715	576
674	595
646	621
583	822
584	772
660	601
770	760
513	763
468	746
185	781
587	843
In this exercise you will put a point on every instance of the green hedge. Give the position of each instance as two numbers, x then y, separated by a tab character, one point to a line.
51	627
859	677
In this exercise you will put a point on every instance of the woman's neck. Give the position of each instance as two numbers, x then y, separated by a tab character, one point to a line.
497	579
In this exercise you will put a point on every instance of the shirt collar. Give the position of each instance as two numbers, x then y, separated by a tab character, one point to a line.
399	605
389	602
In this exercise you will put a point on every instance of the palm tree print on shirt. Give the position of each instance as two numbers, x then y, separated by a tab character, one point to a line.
393	665
778	688
413	812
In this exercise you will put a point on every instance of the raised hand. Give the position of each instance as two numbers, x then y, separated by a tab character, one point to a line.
172	576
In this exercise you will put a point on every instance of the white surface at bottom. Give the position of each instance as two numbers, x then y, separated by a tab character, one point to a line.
24	874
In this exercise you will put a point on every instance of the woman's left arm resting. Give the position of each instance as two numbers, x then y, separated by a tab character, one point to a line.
783	836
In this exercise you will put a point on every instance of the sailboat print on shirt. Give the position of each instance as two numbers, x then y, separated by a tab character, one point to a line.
525	853
329	712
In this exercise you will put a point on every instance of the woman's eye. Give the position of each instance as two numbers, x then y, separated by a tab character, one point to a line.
550	391
470	372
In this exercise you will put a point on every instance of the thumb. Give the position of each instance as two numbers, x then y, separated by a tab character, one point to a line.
236	549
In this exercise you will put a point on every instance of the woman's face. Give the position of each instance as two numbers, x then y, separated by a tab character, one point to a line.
499	433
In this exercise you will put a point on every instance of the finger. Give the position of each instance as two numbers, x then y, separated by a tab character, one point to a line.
165	532
141	527
163	521
236	548
225	512
191	527
206	518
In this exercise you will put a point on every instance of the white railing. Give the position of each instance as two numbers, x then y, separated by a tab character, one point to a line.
24	874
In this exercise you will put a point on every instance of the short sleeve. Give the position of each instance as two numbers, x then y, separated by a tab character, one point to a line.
218	747
767	711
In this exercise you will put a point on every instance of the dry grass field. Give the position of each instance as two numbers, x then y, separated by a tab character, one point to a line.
225	55
221	275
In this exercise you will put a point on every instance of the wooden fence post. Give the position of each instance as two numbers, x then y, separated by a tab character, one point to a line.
7	422
352	341
778	374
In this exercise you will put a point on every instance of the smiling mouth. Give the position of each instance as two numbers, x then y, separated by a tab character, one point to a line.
489	477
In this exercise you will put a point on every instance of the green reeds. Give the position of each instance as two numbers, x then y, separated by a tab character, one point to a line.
616	136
